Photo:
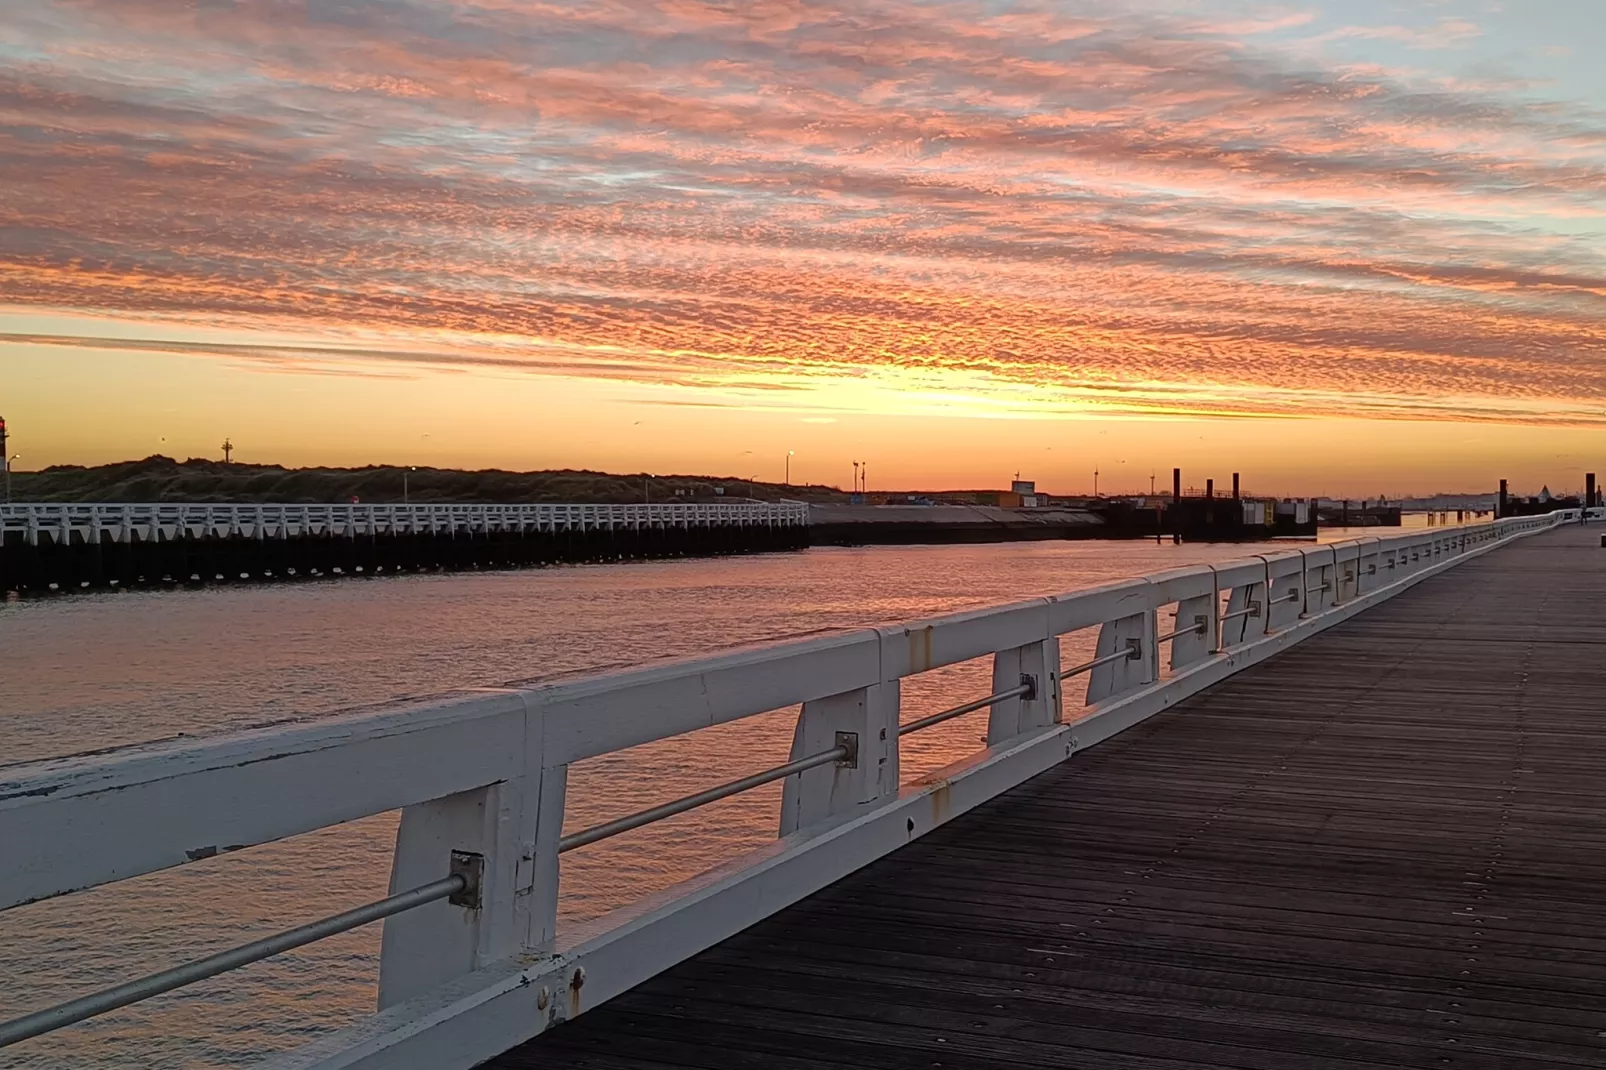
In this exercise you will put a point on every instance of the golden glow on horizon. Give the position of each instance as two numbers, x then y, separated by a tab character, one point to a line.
89	406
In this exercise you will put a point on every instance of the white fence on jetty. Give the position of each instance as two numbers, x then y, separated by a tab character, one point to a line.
96	522
472	959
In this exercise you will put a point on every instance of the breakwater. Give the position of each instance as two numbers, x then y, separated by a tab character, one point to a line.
1188	519
45	547
867	525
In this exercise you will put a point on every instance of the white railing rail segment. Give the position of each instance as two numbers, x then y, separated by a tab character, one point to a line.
480	777
115	523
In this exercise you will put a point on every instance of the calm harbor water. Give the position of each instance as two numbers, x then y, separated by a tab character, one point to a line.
98	671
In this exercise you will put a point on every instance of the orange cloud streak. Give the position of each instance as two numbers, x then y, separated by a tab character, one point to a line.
1123	212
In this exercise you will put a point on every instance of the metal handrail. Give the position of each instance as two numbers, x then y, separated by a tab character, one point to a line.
1251	610
652	814
690	802
1291	596
1132	653
76	1010
1025	690
1196	629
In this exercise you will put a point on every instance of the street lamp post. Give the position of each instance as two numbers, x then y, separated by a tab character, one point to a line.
409	468
7	461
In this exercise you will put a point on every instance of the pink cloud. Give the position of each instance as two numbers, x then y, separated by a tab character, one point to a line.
1143	207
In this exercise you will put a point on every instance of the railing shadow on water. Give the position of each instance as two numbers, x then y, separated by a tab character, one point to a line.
473	960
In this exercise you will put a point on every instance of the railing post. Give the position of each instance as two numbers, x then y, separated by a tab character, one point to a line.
1305	584
1284	600
539	917
1197	645
1235	626
866	720
1343	578
1038	662
1364	568
506	836
1135	633
1320	579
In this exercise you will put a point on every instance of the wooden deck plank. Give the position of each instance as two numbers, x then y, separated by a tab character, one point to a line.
1380	848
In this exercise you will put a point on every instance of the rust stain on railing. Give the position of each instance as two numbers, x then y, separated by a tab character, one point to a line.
920	658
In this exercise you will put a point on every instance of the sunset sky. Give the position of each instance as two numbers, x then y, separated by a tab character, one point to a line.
1346	246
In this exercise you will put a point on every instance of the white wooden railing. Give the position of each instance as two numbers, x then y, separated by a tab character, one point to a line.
94	522
480	777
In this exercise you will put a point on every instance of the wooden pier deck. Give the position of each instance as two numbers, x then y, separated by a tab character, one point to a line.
1382	848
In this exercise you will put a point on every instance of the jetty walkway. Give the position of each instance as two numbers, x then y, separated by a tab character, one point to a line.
54	546
1352	819
1382	848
